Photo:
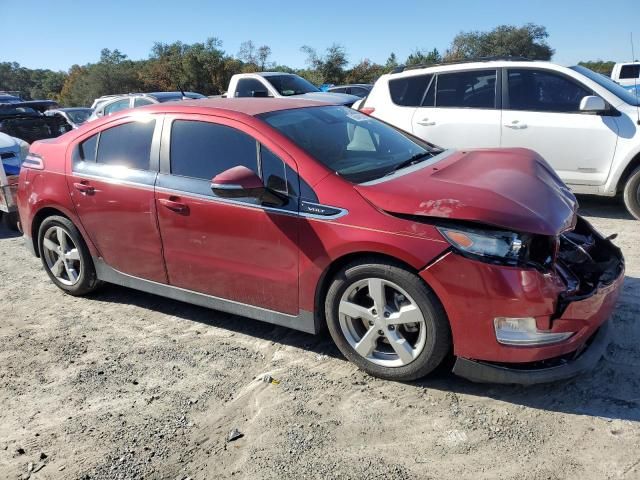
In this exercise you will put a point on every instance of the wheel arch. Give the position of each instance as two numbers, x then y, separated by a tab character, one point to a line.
49	211
628	170
336	265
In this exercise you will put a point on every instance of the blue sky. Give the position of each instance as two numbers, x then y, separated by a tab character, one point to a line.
57	34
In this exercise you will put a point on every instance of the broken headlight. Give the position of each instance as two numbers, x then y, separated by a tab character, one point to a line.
496	246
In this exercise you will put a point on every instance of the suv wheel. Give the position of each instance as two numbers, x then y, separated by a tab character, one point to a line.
632	193
387	321
66	257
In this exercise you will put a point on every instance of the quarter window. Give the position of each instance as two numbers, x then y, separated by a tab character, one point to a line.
408	91
141	101
203	150
87	149
127	145
472	89
541	91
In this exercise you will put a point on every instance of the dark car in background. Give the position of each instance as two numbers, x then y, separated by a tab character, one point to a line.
26	120
358	89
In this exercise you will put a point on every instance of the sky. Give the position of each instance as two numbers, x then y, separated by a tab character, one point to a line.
57	34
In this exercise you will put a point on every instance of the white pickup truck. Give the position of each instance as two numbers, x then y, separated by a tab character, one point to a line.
279	84
626	74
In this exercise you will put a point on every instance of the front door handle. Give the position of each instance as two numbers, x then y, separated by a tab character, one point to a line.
516	125
173	204
84	187
425	122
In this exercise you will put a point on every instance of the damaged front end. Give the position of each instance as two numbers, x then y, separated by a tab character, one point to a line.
527	308
587	262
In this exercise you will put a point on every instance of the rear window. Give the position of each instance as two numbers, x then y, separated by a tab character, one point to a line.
408	91
630	71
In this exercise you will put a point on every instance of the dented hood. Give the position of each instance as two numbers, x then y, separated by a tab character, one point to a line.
512	188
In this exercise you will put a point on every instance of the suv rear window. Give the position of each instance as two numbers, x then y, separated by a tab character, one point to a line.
630	71
472	89
408	91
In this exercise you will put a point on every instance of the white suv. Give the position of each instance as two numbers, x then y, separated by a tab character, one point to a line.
584	124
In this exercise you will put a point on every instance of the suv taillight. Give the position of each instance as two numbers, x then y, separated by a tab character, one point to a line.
33	161
367	110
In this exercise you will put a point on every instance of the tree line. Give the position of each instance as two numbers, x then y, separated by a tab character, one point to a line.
206	68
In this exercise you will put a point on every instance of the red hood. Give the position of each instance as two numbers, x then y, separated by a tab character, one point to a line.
508	188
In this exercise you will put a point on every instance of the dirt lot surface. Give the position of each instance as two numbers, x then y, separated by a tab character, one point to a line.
129	385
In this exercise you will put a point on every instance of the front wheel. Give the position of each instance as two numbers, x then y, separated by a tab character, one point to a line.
387	321
632	193
65	256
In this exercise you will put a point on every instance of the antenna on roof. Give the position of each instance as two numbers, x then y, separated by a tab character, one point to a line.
182	92
635	80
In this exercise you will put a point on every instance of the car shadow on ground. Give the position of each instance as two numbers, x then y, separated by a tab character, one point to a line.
603	207
610	391
7	232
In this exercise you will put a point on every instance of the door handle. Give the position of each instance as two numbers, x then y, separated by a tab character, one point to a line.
84	187
516	125
173	204
425	122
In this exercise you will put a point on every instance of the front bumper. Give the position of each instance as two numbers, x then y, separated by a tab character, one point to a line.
561	369
474	293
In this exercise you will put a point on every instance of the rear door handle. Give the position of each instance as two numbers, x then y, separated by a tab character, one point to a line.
84	187
425	122
173	204
516	125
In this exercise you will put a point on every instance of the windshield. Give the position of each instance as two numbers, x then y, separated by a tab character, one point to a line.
79	116
288	85
356	146
623	94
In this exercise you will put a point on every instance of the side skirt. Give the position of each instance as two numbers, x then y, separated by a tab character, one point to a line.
304	321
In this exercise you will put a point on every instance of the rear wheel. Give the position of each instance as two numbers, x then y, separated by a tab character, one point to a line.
386	320
632	193
65	256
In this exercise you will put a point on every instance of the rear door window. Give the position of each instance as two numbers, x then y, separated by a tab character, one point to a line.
543	91
471	89
250	87
127	145
409	91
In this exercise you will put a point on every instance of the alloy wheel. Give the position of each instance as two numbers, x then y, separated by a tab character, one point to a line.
61	255
382	323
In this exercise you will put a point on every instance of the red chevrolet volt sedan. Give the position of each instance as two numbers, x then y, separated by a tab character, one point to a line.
310	215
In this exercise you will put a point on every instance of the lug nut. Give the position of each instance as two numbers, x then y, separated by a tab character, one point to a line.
380	332
391	327
374	312
387	314
371	322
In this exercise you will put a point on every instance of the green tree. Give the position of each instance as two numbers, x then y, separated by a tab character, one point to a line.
392	62
600	66
528	41
420	57
327	68
364	72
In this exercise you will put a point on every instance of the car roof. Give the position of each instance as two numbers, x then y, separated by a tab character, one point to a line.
270	74
473	65
70	109
248	106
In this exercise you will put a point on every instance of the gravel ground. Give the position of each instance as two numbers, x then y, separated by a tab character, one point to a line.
129	385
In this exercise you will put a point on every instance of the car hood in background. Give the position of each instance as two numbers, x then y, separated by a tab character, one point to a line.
337	98
507	188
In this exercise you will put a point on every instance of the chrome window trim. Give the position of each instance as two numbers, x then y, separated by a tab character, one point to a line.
226	186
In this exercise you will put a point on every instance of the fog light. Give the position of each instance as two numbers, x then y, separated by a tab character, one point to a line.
524	333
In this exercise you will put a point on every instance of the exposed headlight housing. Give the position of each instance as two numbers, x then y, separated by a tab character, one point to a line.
499	245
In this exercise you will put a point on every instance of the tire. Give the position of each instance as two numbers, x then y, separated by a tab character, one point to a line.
76	274
632	193
426	342
11	221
